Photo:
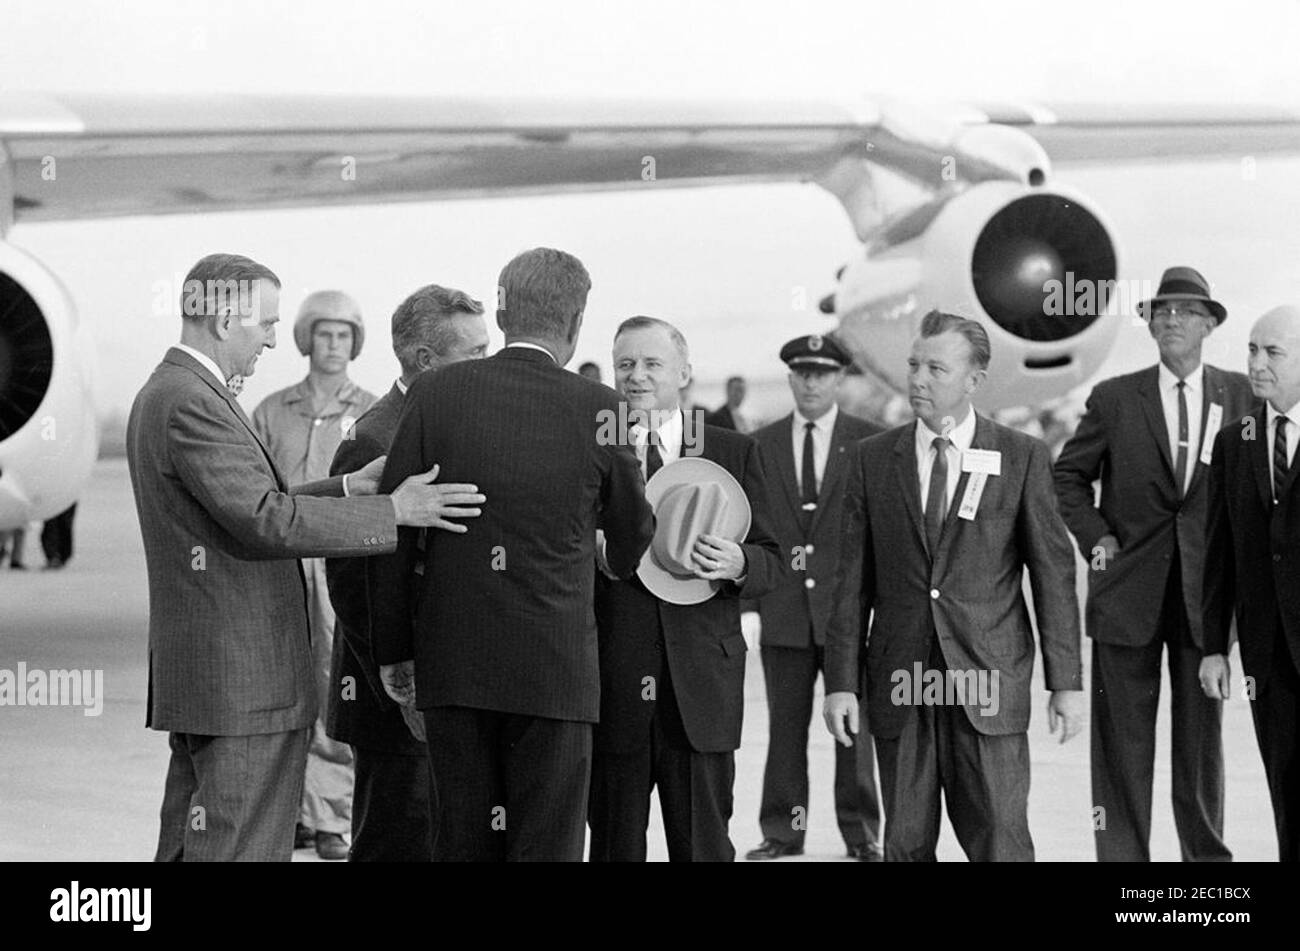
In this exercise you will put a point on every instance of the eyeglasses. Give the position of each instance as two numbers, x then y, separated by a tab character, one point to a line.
1170	312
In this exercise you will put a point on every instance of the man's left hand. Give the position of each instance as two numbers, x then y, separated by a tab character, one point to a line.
399	681
365	481
718	559
1065	706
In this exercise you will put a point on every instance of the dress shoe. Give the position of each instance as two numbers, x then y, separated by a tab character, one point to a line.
303	837
330	846
868	852
772	849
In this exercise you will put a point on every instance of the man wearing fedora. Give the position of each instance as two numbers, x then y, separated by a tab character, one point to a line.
805	456
942	518
1147	436
303	425
672	655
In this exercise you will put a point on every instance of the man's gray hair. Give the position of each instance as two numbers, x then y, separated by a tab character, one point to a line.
424	320
541	293
223	281
937	322
646	323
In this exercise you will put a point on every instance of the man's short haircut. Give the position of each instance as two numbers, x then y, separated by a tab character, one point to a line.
221	280
541	293
647	323
937	322
735	379
424	319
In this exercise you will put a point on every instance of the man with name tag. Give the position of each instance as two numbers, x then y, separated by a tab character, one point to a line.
942	518
1250	564
1148	436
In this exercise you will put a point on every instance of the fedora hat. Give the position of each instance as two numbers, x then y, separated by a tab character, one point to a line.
690	497
1185	284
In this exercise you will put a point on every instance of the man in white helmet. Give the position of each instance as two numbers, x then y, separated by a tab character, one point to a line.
302	425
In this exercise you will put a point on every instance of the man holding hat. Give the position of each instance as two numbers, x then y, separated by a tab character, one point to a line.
1148	437
805	456
672	655
302	426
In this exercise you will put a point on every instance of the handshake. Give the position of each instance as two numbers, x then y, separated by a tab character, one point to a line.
417	502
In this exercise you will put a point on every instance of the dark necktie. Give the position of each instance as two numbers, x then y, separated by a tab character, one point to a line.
1279	457
654	461
1180	463
936	501
809	477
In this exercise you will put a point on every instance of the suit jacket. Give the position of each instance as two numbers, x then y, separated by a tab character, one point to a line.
1122	440
703	643
970	596
229	650
1252	556
721	417
797	612
505	619
359	711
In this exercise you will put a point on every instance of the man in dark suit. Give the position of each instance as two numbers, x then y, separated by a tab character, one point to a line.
1252	553
942	518
433	328
728	415
805	456
230	662
672	676
1147	436
504	642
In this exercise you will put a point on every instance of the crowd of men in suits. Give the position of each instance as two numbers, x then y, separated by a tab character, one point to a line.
512	609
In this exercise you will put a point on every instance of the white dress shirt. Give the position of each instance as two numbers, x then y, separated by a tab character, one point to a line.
401	387
1292	433
204	359
959	441
1195	390
532	346
670	437
821	443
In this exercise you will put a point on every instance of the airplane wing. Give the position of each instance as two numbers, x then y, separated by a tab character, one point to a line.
88	156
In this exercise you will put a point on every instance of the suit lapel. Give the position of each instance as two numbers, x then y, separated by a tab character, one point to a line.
1212	392
1149	398
906	472
785	465
983	439
834	470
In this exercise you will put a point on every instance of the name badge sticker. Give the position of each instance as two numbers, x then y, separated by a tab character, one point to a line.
974	491
1212	423
986	461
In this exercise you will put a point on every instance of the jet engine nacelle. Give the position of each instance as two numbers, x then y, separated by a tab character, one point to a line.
48	435
992	253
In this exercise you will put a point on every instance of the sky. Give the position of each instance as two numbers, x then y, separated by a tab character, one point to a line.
722	262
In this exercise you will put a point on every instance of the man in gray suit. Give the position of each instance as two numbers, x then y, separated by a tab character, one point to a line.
942	518
230	663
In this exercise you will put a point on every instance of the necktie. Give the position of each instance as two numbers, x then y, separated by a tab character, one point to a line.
809	470
936	501
1180	463
1279	457
654	461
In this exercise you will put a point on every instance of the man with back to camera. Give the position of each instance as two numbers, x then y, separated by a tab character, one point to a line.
1250	563
302	425
1148	436
943	517
230	662
433	328
503	652
672	673
805	456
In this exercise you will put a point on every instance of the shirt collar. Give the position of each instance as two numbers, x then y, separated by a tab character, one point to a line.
532	346
670	432
402	386
1293	414
825	424
205	360
961	436
300	391
1193	380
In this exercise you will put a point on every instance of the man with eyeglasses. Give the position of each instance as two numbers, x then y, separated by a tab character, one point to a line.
1148	437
